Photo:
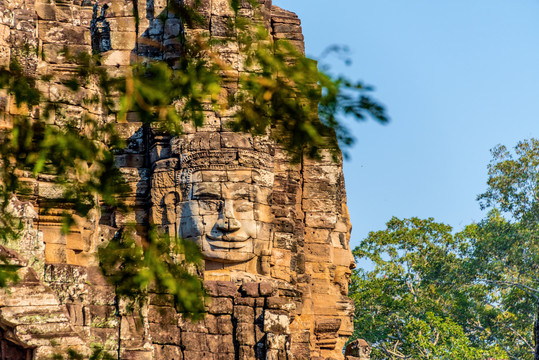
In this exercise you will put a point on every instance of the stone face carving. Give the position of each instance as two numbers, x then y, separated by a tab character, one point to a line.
274	235
358	350
224	204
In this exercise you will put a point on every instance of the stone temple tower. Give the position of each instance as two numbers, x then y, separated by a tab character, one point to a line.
274	235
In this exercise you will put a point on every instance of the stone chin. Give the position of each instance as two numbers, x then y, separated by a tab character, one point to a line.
227	249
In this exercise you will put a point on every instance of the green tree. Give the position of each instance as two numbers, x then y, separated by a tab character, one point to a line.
478	288
504	251
418	301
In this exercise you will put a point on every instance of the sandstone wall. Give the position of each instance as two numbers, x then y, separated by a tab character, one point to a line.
279	294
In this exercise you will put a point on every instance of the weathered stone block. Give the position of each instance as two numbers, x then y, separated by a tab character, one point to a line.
321	220
117	58
281	272
136	355
320	236
5	59
225	326
123	40
197	355
279	303
342	257
50	191
23	315
161	300
318	252
246	301
221	306
76	314
214	176
278	17
218	344
221	8
250	289
108	337
245	334
285	241
101	316
319	190
127	24
165	315
301	351
246	352
187	325
66	34
45	11
132	330
164	179
220	288
165	334
276	322
319	205
75	241
236	140
167	352
194	342
275	341
130	160
263	213
244	314
102	295
265	288
286	28
55	253
120	9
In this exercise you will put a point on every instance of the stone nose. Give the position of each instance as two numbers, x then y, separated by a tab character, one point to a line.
227	221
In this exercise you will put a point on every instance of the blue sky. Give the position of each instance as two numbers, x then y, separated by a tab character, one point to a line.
457	77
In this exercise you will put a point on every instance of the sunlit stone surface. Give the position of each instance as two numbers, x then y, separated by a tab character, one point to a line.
274	235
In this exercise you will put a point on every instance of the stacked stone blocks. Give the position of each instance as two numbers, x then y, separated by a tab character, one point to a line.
279	295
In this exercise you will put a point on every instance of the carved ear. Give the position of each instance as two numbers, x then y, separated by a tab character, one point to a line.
171	199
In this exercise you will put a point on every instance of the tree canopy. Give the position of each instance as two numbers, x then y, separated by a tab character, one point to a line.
417	303
433	294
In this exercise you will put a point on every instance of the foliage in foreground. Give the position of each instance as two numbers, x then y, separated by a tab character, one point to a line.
164	264
281	97
98	353
433	294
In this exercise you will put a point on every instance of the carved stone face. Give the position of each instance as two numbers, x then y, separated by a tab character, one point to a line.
227	212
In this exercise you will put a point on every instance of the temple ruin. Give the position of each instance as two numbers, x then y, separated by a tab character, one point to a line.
274	235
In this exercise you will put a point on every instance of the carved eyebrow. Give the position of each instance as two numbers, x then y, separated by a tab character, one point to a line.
200	192
238	190
243	206
206	195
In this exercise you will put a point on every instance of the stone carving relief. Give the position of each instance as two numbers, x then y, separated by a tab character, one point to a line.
100	30
225	204
12	351
274	235
358	350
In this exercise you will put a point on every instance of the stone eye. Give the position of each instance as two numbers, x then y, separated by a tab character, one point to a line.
244	207
210	205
